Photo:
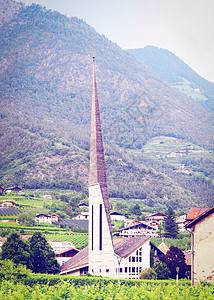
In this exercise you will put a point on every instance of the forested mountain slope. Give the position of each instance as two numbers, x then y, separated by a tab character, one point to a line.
46	81
172	69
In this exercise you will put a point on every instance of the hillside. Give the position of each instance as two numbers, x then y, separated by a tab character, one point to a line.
172	69
46	81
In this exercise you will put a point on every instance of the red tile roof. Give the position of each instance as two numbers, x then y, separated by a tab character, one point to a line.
200	217
195	212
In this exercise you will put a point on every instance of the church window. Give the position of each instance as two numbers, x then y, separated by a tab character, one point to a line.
101	227
92	227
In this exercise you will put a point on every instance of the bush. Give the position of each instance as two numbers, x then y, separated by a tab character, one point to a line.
148	273
13	272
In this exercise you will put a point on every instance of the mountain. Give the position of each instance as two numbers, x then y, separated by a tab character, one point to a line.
46	83
172	69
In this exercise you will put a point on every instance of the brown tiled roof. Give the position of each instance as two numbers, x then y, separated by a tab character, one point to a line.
163	247
143	224
200	217
195	212
67	250
77	261
123	247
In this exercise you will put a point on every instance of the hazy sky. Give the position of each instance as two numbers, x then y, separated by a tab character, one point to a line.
184	27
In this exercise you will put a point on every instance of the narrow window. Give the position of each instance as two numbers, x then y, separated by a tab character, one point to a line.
126	269
107	270
101	227
92	228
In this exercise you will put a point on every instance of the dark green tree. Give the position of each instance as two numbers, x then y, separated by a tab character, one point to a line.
162	271
175	258
17	250
135	210
169	224
42	256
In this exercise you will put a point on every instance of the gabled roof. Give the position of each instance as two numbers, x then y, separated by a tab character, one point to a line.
163	248
195	212
123	247
40	215
116	214
155	214
200	217
143	224
76	262
67	250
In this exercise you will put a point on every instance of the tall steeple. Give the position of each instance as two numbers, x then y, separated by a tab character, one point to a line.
97	172
101	250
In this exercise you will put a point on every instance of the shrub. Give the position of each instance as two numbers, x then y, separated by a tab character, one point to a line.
148	273
13	272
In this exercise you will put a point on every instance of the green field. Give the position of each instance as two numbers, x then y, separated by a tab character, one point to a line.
79	240
106	291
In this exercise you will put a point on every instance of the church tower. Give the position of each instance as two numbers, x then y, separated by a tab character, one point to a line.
101	251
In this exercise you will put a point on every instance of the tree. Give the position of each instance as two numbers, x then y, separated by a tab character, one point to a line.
175	258
169	224
42	256
16	250
26	218
162	271
135	210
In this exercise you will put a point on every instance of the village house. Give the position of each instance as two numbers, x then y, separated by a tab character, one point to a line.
7	203
65	255
13	189
42	218
83	215
115	216
202	233
58	246
158	217
195	212
181	221
139	229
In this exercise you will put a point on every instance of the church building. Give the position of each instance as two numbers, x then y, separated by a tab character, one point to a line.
105	256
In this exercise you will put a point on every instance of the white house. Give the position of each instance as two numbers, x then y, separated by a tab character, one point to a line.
131	255
202	232
42	218
83	215
115	216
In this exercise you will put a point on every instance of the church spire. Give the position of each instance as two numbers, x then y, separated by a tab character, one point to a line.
97	174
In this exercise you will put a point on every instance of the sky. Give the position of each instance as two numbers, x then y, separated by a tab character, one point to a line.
184	27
